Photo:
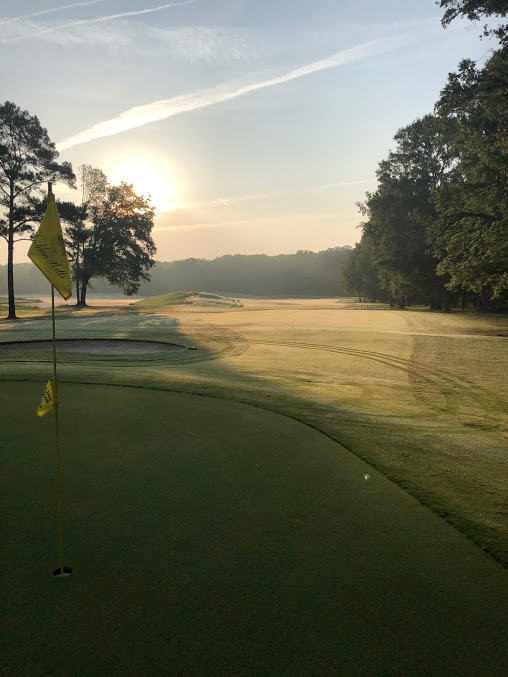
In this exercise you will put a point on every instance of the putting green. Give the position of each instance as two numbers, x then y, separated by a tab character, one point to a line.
209	537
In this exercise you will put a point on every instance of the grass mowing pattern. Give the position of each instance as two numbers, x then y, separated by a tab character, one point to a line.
354	375
445	379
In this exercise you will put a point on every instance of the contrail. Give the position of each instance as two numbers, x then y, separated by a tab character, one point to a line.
249	222
51	10
224	201
99	19
166	108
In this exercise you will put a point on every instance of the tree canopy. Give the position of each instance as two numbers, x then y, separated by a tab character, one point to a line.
93	183
438	223
397	212
476	10
110	237
470	235
28	160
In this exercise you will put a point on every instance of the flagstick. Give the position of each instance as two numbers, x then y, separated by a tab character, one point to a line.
58	473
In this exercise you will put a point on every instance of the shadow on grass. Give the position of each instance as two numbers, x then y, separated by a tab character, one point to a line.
217	538
414	458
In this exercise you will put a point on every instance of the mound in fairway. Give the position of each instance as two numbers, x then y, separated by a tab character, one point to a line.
209	537
188	298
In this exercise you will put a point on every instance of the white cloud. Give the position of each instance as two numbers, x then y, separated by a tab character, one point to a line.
103	35
201	43
191	44
166	108
51	10
29	30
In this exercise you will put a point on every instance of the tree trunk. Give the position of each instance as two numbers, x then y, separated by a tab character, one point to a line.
77	275
84	285
10	257
485	299
446	302
482	300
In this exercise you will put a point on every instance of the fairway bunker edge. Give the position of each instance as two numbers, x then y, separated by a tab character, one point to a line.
96	346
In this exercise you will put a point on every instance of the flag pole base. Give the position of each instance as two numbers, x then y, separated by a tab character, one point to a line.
57	573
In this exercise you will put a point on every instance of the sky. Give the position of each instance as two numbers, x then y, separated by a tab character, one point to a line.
255	125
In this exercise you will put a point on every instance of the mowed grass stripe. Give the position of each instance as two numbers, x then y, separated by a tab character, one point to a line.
383	358
211	537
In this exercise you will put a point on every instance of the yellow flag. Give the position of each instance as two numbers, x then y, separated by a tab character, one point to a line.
49	398
48	250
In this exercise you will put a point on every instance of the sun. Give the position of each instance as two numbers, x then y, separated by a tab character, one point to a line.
148	180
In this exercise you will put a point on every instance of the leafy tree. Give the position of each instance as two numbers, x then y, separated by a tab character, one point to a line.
470	237
395	239
350	276
438	221
359	273
474	10
116	242
28	160
398	212
93	183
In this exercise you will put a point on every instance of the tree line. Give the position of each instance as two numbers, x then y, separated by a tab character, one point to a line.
436	228
108	234
305	273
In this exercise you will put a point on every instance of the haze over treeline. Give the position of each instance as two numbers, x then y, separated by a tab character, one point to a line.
305	273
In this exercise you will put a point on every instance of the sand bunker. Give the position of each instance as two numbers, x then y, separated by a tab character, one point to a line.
96	346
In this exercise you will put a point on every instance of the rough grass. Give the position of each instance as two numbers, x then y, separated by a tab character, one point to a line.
22	304
19	299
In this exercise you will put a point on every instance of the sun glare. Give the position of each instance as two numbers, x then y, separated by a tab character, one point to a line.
147	180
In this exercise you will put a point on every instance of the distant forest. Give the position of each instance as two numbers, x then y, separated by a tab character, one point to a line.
305	273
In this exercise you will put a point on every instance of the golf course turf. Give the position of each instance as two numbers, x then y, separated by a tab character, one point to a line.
208	536
211	537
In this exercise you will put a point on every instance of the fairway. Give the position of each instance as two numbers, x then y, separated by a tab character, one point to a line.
212	537
229	510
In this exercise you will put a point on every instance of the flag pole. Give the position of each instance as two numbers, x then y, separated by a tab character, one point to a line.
58	471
